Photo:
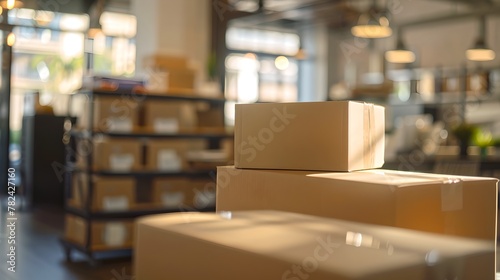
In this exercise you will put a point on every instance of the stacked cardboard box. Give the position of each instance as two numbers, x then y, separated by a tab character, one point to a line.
320	158
181	77
268	245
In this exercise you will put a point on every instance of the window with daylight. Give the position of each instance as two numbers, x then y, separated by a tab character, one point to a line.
261	67
114	47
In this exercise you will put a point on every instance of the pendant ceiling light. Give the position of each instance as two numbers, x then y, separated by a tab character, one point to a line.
11	4
94	19
372	24
401	54
480	52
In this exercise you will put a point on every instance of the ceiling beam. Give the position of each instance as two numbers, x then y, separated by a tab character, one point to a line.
475	12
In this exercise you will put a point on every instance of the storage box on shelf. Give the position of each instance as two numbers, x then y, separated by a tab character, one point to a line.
116	170
109	194
104	235
181	76
184	193
172	117
117	155
171	154
115	114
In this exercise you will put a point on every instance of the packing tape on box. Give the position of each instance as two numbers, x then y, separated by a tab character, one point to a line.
452	194
368	133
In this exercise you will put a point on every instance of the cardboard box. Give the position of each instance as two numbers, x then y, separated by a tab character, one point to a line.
184	194
211	117
170	155
328	136
445	204
204	193
116	114
79	189
169	117
109	194
172	193
180	75
114	194
181	79
269	245
104	235
122	155
165	62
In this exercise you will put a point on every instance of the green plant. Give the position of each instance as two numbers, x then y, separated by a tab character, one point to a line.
465	133
212	67
483	138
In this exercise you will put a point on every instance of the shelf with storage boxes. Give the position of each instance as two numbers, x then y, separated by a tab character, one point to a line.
172	72
133	154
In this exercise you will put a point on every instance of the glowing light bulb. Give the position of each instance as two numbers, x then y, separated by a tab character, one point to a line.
11	4
11	39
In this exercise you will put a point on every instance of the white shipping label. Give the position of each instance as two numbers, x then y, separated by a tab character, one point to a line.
203	199
166	125
121	162
120	124
452	197
115	234
172	199
115	203
168	160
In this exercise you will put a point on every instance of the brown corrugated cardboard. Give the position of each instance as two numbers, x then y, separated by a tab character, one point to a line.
452	205
172	193
104	235
169	117
269	245
204	193
117	155
181	79
180	75
117	114
165	62
182	194
79	187
329	136
109	194
170	155
114	194
211	117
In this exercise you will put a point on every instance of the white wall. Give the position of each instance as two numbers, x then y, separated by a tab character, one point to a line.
313	78
179	27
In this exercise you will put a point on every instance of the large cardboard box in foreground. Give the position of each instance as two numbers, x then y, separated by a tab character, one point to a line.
328	136
270	245
453	205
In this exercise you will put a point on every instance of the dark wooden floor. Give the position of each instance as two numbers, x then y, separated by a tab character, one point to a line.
39	254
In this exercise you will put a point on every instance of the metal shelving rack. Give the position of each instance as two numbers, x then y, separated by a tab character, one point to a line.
212	135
